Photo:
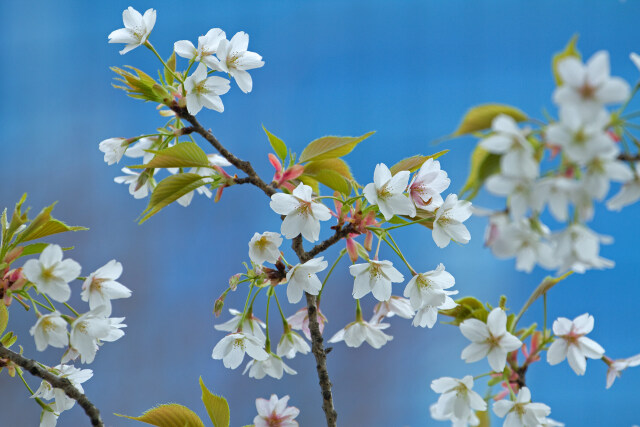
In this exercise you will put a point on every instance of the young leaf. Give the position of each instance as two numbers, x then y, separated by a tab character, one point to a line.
169	415
4	318
36	248
569	51
336	165
169	190
483	165
330	147
277	144
183	155
217	407
171	63
44	225
413	163
480	117
333	180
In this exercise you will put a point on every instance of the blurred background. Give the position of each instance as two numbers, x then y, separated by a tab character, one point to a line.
408	70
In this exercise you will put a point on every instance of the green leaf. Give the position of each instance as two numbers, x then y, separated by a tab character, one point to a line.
483	165
9	339
171	63
330	147
17	219
485	419
36	248
140	85
413	163
169	415
468	307
183	155
569	51
217	407
480	117
171	189
336	165
4	318
333	180
44	225
277	144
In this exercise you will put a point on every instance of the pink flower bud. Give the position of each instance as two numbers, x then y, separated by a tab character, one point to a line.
13	254
233	281
352	249
218	305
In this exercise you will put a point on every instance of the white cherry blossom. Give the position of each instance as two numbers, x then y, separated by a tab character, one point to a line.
581	137
203	91
375	277
457	399
394	305
74	375
87	330
300	321
387	192
427	184
510	141
50	329
140	184
302	278
427	315
577	248
521	193
429	288
136	29
231	349
572	344
448	224
628	194
522	412
113	149
303	214
275	413
525	240
265	247
207	46
292	343
251	325
489	340
589	85
355	333
101	287
617	366
140	149
51	274
602	169
558	193
235	59
272	366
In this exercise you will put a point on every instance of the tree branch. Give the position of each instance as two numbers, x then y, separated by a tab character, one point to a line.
64	384
240	164
317	344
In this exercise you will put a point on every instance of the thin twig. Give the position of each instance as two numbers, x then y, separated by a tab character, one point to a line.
63	384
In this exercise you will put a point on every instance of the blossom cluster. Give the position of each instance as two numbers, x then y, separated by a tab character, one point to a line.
82	334
584	151
388	196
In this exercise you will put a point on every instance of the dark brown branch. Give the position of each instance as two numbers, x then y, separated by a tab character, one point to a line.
629	157
64	384
317	344
240	164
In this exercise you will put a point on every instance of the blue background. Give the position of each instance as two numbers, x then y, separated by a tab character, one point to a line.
408	70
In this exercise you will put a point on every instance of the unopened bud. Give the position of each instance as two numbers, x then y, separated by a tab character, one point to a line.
233	281
13	254
368	241
219	304
352	250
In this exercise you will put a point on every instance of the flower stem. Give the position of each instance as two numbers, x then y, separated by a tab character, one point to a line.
166	67
342	252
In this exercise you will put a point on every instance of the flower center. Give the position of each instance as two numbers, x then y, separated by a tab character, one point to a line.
587	91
